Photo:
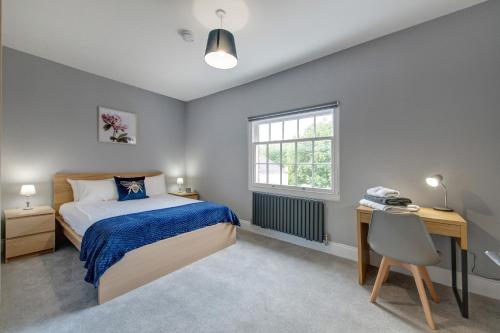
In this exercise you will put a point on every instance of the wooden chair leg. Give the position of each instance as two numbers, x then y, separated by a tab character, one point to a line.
428	283
380	279
423	296
386	277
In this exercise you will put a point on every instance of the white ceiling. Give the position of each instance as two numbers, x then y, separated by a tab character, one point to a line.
136	41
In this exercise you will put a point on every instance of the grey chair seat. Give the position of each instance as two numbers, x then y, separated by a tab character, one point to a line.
403	237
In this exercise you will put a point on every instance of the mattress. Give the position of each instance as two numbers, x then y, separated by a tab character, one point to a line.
80	216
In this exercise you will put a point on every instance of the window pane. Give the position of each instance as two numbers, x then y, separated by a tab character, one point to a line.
322	151
304	175
324	125
306	127
274	153
276	131
304	152
274	174
323	175
261	153
263	132
290	129
289	175
288	153
261	173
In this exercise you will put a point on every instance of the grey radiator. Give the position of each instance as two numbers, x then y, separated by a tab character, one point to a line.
296	216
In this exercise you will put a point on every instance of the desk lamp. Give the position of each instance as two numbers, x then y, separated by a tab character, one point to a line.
435	181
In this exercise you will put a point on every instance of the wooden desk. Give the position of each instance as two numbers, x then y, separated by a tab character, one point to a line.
439	223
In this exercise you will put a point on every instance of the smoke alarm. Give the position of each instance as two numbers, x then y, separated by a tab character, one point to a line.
186	35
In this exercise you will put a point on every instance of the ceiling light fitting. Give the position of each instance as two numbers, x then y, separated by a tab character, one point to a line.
221	49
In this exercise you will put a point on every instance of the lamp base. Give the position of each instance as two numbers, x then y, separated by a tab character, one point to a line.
444	209
28	204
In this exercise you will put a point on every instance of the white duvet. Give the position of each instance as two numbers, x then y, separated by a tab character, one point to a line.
80	216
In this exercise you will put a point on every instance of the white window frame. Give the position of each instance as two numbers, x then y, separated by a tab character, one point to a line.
308	192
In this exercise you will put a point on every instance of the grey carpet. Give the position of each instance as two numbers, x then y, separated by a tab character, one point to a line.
257	285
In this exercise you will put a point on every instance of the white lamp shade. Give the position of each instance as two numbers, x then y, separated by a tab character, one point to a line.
28	190
434	181
180	181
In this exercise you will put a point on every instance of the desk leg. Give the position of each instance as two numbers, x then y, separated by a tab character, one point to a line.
463	302
363	251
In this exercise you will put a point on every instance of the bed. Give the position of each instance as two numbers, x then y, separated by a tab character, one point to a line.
147	263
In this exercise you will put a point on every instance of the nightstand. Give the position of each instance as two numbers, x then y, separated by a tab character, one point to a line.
29	231
191	195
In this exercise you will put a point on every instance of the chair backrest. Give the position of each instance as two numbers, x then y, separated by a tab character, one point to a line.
403	237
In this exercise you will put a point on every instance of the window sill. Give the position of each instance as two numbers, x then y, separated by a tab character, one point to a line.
308	193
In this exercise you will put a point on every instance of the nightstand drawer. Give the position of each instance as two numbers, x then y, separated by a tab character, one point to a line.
29	225
194	196
29	244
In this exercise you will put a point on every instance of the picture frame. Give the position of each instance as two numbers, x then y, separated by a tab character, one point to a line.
115	126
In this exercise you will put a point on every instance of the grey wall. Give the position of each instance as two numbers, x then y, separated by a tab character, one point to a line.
1	112
50	125
415	103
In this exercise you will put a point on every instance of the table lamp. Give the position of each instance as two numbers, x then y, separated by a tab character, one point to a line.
435	181
180	182
28	191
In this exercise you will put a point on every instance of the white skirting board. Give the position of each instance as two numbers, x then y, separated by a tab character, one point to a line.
336	249
477	284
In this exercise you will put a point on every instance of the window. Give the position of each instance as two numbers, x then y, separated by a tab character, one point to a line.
295	153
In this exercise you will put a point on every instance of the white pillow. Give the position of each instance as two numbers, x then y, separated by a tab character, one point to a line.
74	187
155	185
94	190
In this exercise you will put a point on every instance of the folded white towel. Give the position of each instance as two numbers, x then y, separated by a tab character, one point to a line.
383	192
389	208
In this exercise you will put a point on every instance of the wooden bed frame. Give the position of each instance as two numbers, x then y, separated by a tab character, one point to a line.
147	263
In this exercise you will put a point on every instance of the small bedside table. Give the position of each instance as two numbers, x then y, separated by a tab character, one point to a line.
191	195
29	231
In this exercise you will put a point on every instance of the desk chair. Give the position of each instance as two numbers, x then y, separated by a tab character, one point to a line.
403	240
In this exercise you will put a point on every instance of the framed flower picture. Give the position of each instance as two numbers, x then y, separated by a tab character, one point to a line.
116	126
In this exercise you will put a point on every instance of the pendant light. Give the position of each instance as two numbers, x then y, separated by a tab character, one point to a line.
221	50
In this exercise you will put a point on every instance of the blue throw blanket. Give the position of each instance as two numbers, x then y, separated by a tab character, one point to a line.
108	240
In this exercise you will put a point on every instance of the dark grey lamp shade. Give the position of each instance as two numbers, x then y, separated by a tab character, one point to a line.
221	49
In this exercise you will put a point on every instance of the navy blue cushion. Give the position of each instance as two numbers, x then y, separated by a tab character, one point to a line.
132	188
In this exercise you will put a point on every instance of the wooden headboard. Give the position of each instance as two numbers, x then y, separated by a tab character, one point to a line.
62	189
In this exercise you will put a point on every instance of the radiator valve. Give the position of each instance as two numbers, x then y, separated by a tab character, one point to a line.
325	240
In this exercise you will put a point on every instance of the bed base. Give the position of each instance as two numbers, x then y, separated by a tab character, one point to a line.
150	262
70	234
